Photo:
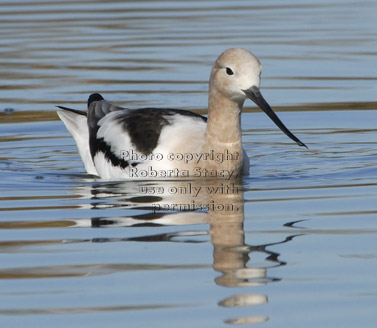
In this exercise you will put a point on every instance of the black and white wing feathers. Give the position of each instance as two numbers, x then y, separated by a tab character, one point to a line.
122	138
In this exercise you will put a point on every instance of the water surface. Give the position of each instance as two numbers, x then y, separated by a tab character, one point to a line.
293	244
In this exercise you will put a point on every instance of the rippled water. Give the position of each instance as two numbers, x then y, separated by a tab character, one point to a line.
291	245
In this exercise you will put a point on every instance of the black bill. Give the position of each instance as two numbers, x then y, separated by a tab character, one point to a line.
255	95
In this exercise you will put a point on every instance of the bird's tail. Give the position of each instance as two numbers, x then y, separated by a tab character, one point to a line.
76	123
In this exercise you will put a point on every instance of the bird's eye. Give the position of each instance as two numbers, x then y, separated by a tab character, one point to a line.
229	71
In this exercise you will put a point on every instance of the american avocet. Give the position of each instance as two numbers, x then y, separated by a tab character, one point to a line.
120	143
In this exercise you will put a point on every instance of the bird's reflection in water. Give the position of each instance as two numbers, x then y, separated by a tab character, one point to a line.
217	203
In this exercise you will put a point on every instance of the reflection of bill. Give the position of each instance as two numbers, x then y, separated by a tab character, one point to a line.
198	172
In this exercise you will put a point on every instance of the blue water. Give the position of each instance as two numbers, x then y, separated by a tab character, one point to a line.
291	245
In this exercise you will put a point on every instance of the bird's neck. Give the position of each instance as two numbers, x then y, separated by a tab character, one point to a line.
223	133
224	121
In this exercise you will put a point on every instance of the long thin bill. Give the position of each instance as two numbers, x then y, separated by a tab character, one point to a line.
255	95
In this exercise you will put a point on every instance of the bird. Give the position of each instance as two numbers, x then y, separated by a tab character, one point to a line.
117	143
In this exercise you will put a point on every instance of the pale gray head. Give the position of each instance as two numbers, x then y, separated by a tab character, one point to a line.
236	75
